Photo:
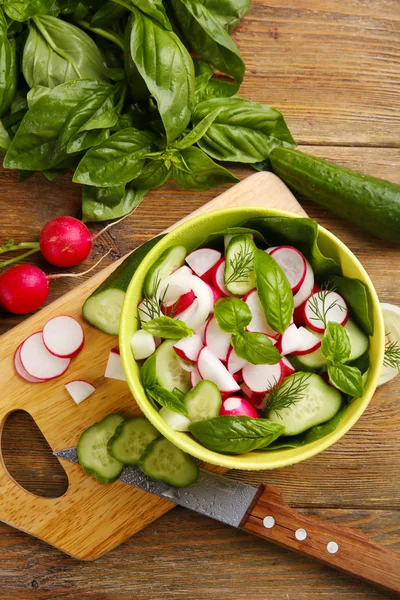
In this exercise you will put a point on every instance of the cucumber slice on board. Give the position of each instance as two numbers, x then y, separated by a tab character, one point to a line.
130	440
164	369
163	461
92	450
169	261
239	266
203	401
319	402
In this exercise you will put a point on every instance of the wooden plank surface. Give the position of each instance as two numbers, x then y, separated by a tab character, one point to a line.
332	67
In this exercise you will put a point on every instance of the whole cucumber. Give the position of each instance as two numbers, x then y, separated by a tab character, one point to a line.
370	203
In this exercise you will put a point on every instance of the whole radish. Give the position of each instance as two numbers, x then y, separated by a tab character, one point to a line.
65	242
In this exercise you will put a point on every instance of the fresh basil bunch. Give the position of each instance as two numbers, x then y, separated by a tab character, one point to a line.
109	88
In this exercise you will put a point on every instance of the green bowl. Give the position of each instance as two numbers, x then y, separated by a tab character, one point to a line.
191	234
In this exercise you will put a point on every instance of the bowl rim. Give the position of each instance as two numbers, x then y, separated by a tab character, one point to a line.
245	461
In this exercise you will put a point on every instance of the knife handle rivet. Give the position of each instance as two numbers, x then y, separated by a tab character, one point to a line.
300	534
268	522
332	547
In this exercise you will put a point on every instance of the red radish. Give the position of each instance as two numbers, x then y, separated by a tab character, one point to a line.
177	307
238	407
306	288
286	366
195	377
143	344
298	314
258	400
309	342
187	315
234	362
65	242
20	369
23	289
218	278
211	368
271	249
258	322
216	296
38	361
292	263
217	340
201	261
238	377
188	348
186	365
79	390
329	306
114	368
203	305
261	378
63	336
201	331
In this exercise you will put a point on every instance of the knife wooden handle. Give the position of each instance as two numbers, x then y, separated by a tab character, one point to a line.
339	547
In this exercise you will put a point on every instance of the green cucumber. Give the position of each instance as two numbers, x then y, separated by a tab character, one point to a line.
313	361
103	307
358	340
169	261
165	462
203	401
163	368
92	450
130	440
239	267
370	203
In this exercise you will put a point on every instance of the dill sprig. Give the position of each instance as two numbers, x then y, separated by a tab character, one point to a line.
392	355
285	394
241	265
318	303
151	306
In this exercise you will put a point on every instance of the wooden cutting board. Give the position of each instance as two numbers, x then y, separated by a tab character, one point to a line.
90	518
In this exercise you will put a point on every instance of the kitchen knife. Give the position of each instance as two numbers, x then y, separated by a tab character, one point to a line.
264	513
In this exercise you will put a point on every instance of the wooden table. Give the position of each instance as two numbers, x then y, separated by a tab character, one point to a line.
332	67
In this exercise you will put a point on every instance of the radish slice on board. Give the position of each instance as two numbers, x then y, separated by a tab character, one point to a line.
309	342
218	278
287	368
306	287
257	399
114	368
186	365
261	378
211	368
38	361
201	261
324	307
188	348
143	344
178	306
63	336
234	362
292	263
79	390
195	377
237	406
20	369
258	322
217	340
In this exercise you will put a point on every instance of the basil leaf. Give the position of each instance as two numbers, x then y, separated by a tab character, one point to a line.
202	69
35	93
167	69
214	88
244	131
8	67
153	9
179	394
153	175
107	15
166	399
235	435
165	327
203	173
256	348
4	139
274	291
57	51
358	299
228	12
117	160
197	132
348	379
207	37
22	10
336	344
98	204
232	315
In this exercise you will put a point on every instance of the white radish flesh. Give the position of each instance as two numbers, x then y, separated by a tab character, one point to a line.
261	378
195	377
239	407
306	287
63	336
258	400
308	342
143	344
258	322
202	260
234	362
287	368
114	368
176	421
215	295
188	348
217	340
38	361
290	340
20	369
204	303
211	368
188	314
79	390
292	263
201	331
329	305
186	365
218	278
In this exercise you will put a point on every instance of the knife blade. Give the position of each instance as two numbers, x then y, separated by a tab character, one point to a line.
263	512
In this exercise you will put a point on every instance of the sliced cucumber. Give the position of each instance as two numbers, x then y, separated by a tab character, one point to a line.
163	368
92	450
176	421
203	401
169	261
309	362
358	340
239	272
163	461
130	440
319	403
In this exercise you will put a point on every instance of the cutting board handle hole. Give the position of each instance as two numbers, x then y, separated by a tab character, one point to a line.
29	459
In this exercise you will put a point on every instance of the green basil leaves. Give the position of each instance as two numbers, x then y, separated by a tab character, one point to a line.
336	343
166	399
8	67
165	327
336	347
256	348
22	10
198	171
348	379
232	315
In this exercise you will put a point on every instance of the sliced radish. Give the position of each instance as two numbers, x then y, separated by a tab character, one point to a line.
38	361
329	304
20	369
238	377
179	305
211	368
290	340
144	311
216	296
271	249
234	362
79	390
183	271
287	368
218	278
306	287
175	420
187	314
217	340
201	261
257	399
201	331
227	238
261	378
188	348
199	310
258	322
186	365
237	406
143	344
195	377
114	368
292	263
309	342
63	336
